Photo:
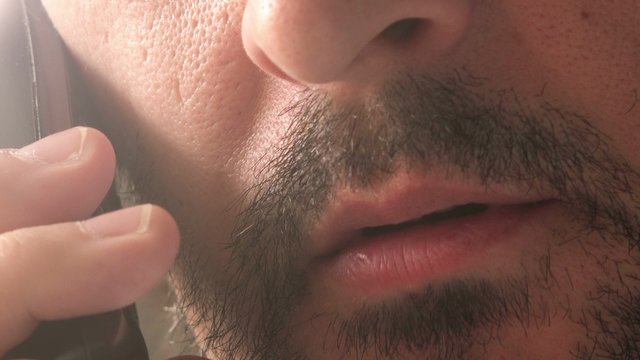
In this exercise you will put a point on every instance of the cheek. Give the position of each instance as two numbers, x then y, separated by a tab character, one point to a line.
198	85
176	67
178	92
581	56
590	51
592	45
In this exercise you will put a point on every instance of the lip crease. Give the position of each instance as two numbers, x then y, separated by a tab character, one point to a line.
405	198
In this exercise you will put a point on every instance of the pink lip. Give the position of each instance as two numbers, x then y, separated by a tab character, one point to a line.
408	257
407	197
411	257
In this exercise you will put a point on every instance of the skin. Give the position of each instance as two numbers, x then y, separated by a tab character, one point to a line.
191	94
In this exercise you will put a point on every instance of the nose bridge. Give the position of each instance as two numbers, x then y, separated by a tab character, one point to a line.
317	41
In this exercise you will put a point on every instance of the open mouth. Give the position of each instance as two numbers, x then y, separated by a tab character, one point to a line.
406	255
415	229
452	217
411	203
451	213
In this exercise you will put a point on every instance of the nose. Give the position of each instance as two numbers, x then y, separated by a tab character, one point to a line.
320	41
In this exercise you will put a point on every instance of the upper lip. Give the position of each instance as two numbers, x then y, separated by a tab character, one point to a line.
404	198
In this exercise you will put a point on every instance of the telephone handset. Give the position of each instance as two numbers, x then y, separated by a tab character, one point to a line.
36	101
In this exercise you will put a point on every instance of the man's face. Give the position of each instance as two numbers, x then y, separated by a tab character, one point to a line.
383	179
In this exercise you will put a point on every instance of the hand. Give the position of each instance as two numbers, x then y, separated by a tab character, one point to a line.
54	266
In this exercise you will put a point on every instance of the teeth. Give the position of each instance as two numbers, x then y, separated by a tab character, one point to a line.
441	215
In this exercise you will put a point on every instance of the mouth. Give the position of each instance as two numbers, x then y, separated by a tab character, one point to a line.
415	230
429	219
369	233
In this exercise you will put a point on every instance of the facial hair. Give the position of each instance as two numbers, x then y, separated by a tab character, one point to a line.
448	121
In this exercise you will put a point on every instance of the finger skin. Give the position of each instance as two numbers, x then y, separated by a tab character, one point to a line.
34	193
62	271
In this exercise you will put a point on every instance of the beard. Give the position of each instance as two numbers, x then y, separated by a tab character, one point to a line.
250	309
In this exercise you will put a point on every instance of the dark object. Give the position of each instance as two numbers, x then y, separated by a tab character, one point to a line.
110	336
35	102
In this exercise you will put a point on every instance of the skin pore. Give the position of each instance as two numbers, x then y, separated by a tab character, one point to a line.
533	96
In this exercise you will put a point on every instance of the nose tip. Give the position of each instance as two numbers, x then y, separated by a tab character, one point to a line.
320	41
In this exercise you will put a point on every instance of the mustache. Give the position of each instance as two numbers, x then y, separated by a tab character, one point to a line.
423	122
493	137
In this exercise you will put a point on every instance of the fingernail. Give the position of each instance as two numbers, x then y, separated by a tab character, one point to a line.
60	147
123	222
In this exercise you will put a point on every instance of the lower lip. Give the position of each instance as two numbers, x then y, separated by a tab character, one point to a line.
411	257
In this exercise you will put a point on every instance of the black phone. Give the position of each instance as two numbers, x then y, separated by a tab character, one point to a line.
36	100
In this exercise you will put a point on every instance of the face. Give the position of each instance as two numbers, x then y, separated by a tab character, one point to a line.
382	179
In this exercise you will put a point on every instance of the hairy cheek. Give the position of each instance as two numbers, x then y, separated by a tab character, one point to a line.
553	340
266	131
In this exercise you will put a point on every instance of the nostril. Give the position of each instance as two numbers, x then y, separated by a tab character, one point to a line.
403	31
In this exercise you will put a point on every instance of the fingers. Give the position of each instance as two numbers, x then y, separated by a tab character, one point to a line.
51	268
60	178
71	269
